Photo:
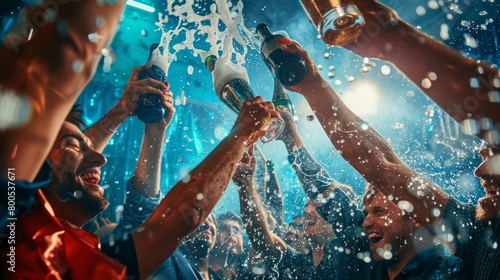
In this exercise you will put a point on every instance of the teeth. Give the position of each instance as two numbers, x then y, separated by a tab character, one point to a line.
90	176
374	235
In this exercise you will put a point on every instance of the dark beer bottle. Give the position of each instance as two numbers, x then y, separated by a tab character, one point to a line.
288	68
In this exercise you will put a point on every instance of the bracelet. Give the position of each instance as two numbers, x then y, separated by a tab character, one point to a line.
109	129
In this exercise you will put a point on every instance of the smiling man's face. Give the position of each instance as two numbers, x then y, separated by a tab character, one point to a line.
76	171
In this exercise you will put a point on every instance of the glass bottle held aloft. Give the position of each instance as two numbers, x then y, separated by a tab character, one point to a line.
289	68
149	108
338	21
232	88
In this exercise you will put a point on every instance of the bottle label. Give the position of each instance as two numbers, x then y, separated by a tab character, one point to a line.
270	46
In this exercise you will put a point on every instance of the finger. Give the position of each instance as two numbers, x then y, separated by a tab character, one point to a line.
150	89
96	224
153	83
135	73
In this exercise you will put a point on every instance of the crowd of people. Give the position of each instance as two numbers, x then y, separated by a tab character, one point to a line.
402	227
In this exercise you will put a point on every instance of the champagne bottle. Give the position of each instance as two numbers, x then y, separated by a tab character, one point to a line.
288	68
280	97
149	108
231	87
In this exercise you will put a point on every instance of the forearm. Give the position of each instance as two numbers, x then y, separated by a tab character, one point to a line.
255	221
101	132
372	156
458	84
274	196
147	172
187	204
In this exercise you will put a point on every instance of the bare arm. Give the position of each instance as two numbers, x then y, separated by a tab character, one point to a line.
274	195
48	61
190	201
252	210
101	132
444	74
366	150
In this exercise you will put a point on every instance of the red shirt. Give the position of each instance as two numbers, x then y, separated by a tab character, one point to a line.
49	248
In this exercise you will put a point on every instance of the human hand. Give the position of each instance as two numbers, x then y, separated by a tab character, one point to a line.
167	100
312	77
136	88
253	119
246	168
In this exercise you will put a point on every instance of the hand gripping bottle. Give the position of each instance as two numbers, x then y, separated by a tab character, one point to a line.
149	108
288	68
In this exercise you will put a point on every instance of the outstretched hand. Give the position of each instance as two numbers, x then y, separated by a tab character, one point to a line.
246	168
253	119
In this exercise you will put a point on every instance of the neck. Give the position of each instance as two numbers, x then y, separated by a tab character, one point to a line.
317	255
67	211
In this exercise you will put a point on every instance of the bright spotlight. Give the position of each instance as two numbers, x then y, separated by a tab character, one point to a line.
141	6
362	99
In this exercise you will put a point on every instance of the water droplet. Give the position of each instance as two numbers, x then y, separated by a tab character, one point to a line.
494	96
331	67
199	196
421	11
426	83
310	117
363	125
405	205
432	76
331	74
436	212
385	70
77	194
474	83
433	5
77	66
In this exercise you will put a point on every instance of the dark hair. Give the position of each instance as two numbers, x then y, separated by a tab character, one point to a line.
77	117
370	191
231	216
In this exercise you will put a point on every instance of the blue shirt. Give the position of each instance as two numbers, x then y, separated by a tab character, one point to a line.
136	210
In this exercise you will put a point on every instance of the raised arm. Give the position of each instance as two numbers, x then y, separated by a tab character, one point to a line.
253	213
190	201
313	178
366	150
458	84
101	132
47	59
274	195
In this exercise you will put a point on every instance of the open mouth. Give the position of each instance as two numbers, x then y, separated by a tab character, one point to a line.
375	237
90	177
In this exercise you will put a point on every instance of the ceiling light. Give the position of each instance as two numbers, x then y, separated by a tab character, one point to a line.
141	6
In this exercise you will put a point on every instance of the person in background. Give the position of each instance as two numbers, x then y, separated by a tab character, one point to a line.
228	253
371	155
294	237
46	63
74	197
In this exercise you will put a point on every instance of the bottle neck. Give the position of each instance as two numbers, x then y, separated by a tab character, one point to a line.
279	91
263	31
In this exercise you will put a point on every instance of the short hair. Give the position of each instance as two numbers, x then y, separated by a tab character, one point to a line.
370	191
231	216
77	117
